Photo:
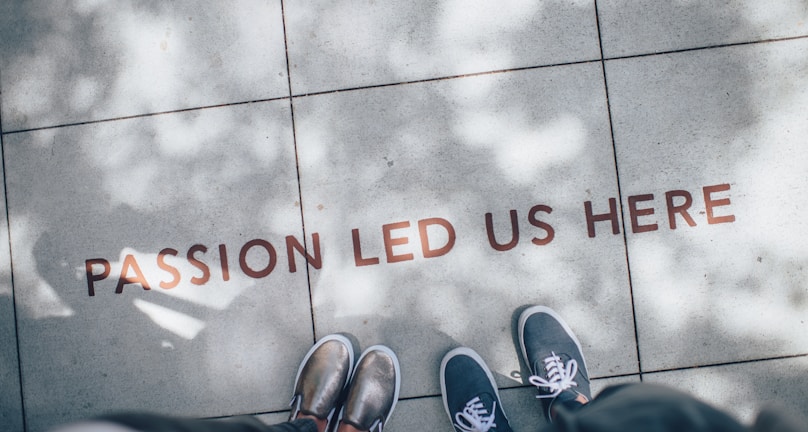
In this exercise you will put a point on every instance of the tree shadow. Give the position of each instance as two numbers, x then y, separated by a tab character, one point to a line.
450	148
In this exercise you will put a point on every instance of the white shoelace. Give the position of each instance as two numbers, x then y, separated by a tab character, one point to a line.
474	417
376	427
559	376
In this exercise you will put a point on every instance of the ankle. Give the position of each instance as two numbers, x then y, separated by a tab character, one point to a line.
570	405
321	423
347	428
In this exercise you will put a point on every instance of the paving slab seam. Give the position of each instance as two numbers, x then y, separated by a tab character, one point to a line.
145	115
709	47
297	173
442	78
11	277
413	398
712	365
519	387
619	195
293	96
499	71
445	78
262	413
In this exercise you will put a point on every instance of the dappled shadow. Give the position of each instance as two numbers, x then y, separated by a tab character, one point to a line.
456	149
10	406
731	291
353	44
632	28
453	149
443	169
135	187
11	415
743	390
90	60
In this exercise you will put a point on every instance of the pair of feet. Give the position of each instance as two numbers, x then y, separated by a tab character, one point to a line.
550	350
343	396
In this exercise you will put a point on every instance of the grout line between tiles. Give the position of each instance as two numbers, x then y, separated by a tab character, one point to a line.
444	78
137	116
544	66
709	47
448	77
619	195
730	363
297	171
527	386
11	274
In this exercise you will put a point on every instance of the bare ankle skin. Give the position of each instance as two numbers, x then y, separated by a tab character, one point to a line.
580	399
347	428
321	423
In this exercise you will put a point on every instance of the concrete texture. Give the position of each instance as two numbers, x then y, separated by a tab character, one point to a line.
72	62
222	306
727	287
454	151
359	43
277	171
745	388
635	27
11	416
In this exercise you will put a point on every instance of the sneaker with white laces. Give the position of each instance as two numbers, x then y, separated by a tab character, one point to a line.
553	354
470	393
322	378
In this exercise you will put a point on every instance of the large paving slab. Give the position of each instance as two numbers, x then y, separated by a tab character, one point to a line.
10	397
189	203
744	389
356	43
397	182
632	27
721	135
66	62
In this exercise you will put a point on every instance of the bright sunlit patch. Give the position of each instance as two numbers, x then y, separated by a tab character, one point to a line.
524	150
31	91
39	299
215	293
358	291
137	181
86	7
527	152
473	19
183	136
667	304
152	45
774	14
182	325
503	361
85	93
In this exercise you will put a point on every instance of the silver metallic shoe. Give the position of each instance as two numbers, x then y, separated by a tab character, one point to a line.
374	389
322	378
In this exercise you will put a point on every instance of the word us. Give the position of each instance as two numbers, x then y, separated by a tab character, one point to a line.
641	212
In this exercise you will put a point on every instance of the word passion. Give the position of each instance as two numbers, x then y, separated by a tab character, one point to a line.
678	207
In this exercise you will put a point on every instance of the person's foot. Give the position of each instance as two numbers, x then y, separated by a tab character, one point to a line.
553	354
373	391
470	393
321	379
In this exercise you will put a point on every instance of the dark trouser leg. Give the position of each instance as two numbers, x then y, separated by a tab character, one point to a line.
643	408
158	423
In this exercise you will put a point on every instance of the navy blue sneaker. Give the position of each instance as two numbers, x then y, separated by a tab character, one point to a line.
470	393
553	354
